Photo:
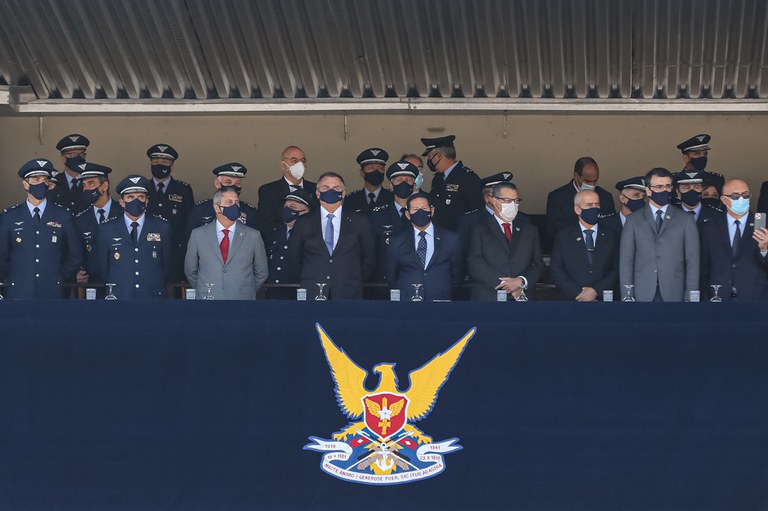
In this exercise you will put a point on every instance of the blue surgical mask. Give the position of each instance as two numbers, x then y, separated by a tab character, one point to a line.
635	204
661	198
135	207
585	186
739	206
38	191
421	218
375	178
590	215
403	190
232	212
289	215
330	196
699	163
91	196
419	180
691	198
74	162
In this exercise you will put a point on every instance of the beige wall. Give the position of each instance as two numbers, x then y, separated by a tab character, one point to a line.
539	148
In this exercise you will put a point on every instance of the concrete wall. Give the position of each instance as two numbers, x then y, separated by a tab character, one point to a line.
539	148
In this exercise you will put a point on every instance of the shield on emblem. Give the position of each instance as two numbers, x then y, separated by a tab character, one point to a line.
385	414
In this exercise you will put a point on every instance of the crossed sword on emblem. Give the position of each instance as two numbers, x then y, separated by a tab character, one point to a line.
383	448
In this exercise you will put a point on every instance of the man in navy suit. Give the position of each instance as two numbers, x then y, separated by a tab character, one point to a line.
134	250
39	245
333	246
733	254
293	163
424	254
585	258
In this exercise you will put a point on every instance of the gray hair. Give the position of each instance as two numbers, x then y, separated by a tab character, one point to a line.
580	195
220	193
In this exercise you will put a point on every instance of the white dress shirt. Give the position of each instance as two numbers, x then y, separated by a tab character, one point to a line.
220	231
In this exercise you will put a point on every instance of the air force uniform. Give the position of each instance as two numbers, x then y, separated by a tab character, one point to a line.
69	191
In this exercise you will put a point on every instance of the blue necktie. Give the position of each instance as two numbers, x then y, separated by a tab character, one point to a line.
658	220
329	233
736	238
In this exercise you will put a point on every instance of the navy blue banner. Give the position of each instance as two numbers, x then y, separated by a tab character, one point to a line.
209	405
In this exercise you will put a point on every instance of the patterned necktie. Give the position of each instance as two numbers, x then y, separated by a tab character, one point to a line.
590	243
37	214
135	231
421	249
225	245
736	238
507	231
329	233
659	221
102	216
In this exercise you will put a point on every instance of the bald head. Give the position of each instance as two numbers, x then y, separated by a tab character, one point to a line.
585	197
735	186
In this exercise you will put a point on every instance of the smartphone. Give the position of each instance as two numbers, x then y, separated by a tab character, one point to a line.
759	221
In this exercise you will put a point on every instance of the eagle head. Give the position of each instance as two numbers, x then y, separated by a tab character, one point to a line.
387	378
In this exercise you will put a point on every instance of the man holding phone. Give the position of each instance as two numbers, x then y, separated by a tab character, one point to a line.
734	249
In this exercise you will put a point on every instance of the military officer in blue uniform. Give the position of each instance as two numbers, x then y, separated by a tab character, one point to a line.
171	199
631	198
455	187
69	190
229	175
297	203
695	152
372	162
688	186
134	250
39	245
95	180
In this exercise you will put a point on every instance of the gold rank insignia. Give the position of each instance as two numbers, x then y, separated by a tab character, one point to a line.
117	256
175	198
18	240
451	188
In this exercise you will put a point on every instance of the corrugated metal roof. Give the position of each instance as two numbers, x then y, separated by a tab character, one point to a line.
276	49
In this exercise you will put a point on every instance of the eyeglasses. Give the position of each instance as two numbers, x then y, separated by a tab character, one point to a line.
295	160
661	188
736	196
508	201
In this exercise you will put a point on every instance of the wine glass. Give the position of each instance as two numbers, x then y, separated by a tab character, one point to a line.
110	293
629	293
2	283
521	297
417	293
321	292
208	293
715	296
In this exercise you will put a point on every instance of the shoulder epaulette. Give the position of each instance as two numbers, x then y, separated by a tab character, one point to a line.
247	204
182	183
6	210
380	208
159	218
81	213
471	212
108	220
200	203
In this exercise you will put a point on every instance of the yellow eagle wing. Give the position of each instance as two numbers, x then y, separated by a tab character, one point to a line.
428	379
373	407
397	407
348	376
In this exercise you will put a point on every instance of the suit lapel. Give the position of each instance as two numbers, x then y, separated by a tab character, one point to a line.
235	242
724	236
667	217
436	247
213	240
581	244
747	228
497	233
344	226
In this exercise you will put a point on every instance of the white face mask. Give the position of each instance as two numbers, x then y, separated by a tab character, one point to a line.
509	211
297	170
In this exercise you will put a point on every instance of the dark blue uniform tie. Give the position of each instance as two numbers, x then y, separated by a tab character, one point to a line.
736	238
135	231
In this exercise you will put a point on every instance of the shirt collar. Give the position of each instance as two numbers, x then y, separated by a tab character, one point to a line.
106	208
220	228
336	214
128	221
165	182
300	185
448	170
41	207
430	230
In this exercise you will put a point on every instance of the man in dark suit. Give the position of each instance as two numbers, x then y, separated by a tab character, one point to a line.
762	202
39	245
469	220
733	254
560	213
631	198
69	191
272	195
455	187
689	185
426	255
333	246
372	162
95	180
585	257
134	250
504	253
171	199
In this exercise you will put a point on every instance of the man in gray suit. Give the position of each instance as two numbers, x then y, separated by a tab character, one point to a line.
659	251
226	253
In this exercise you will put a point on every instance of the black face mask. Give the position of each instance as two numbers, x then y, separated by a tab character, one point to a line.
431	165
289	215
160	171
690	198
699	163
403	190
712	202
91	196
74	163
661	198
375	178
421	218
635	204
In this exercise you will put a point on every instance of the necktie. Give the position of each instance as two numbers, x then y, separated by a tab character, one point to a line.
736	238
329	233
590	243
403	218
421	249
160	188
371	199
507	231
692	212
135	231
101	216
225	245
37	214
75	183
658	220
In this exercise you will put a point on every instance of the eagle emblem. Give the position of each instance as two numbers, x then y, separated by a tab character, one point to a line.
381	445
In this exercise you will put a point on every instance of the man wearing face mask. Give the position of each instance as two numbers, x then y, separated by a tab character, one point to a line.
733	254
560	213
472	218
95	180
333	246
134	250
293	166
229	175
659	248
688	185
171	199
424	254
226	254
69	193
695	152
372	194
585	257
504	253
631	198
297	203
416	160
455	187
39	245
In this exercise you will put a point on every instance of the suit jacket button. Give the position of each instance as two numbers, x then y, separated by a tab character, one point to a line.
328	277
278	268
329	260
733	266
137	286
